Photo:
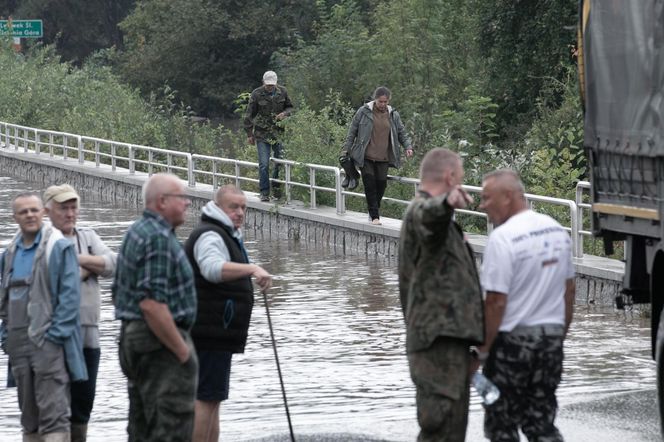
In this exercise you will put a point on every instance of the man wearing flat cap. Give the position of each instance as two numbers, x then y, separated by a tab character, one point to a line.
268	104
95	259
40	330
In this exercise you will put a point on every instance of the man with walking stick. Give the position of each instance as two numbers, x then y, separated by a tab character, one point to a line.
223	275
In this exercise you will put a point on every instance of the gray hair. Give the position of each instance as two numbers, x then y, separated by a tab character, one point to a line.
227	189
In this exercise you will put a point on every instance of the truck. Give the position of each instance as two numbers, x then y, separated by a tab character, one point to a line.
621	67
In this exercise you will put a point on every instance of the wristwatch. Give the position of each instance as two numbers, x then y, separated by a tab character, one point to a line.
477	354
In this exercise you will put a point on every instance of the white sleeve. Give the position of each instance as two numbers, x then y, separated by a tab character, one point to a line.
211	253
497	265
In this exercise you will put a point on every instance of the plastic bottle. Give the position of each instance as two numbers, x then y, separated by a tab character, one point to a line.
485	388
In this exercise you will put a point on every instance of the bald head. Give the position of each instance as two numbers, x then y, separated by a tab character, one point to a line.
503	195
440	171
158	185
164	193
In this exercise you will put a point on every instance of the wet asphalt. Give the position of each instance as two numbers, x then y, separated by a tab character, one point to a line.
630	416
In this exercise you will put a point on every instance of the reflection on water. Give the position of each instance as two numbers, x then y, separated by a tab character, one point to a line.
340	334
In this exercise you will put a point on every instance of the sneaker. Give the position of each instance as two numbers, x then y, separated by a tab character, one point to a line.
265	197
376	222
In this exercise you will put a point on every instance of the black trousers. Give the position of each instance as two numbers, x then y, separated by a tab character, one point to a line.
374	178
83	393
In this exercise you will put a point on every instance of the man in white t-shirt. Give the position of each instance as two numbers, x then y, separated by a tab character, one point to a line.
528	277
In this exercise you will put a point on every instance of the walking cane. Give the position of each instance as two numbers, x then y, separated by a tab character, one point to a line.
276	358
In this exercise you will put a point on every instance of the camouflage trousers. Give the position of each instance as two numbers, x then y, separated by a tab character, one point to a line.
440	374
161	389
526	365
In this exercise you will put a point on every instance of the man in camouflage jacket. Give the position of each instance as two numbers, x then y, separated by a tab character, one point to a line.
268	104
441	299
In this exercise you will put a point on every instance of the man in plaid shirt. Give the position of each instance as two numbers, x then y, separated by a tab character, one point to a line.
155	298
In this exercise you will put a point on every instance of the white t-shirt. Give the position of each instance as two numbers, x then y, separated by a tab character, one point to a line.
529	259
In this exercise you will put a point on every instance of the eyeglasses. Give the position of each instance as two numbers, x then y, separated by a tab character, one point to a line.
177	195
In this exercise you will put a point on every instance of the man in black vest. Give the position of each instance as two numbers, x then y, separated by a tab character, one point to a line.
225	299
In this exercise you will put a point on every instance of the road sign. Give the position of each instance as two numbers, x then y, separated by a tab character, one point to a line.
22	28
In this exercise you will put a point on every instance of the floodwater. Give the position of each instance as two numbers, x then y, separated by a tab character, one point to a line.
340	337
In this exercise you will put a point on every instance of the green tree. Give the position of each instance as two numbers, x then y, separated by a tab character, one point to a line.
208	50
523	43
77	28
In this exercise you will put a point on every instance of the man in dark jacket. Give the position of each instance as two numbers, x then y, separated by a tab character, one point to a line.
225	299
441	299
268	104
372	143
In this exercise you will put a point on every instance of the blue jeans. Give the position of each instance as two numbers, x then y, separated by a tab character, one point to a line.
264	149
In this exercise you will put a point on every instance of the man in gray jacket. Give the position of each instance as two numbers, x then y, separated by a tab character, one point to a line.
372	143
95	259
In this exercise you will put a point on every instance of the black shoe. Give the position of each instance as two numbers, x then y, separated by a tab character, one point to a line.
276	193
265	197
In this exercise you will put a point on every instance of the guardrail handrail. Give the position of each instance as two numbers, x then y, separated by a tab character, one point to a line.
186	163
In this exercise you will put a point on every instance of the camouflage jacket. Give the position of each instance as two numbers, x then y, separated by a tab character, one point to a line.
263	107
438	281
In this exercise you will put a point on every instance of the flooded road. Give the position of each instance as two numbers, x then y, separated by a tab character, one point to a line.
340	335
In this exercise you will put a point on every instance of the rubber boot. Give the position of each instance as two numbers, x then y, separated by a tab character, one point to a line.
79	432
62	436
352	175
32	437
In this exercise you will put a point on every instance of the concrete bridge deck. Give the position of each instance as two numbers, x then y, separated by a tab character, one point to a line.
599	279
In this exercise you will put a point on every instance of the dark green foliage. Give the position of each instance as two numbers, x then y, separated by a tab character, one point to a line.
524	43
208	50
491	79
77	28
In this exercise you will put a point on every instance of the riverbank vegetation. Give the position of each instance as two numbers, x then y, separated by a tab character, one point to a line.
492	79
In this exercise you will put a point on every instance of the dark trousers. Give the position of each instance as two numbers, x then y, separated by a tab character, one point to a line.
161	389
440	374
374	178
83	393
526	368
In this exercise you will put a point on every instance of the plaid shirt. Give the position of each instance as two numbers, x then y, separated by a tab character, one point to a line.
152	264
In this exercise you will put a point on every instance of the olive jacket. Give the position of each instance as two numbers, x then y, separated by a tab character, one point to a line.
438	280
263	107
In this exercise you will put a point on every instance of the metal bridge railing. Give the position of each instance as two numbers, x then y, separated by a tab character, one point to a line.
203	169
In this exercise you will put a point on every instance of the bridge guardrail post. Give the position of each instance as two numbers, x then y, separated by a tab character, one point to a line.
312	187
340	199
81	156
287	175
579	213
132	164
576	251
190	170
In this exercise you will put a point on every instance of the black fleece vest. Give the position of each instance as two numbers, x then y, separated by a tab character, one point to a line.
224	309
